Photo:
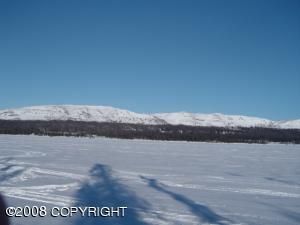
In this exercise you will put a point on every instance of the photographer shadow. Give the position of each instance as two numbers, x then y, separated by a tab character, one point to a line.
103	190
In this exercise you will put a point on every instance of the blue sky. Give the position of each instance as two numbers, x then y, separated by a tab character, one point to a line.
232	57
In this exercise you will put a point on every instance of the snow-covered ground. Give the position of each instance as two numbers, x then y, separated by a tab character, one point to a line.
174	183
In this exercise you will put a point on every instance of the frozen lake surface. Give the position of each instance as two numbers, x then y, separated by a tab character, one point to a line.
160	182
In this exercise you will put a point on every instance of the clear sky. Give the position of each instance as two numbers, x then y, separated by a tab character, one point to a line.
232	57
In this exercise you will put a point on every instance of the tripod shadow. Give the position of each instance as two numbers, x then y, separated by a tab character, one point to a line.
202	212
105	191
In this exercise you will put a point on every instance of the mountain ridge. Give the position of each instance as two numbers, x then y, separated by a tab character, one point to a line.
115	115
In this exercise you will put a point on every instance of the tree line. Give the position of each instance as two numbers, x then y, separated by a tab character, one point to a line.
153	132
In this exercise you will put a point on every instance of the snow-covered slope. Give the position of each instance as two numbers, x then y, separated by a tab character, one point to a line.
110	114
289	124
215	119
78	113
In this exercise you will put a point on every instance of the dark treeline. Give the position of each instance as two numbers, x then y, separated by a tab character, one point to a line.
154	132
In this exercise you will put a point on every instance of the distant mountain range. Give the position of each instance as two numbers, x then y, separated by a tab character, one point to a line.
115	115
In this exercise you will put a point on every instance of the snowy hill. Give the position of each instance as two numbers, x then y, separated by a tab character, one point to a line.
215	120
110	114
78	113
289	124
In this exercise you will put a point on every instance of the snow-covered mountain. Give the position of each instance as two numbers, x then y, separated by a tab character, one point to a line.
215	119
78	113
110	114
289	124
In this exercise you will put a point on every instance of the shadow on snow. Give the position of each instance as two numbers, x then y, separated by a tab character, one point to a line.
202	212
103	190
9	170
